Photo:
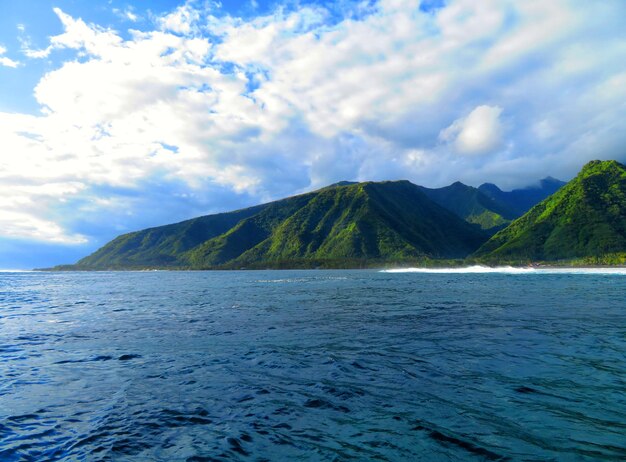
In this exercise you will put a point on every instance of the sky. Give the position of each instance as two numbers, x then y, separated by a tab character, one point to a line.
121	115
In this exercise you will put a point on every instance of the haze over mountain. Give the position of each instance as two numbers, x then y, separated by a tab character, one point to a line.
519	201
585	218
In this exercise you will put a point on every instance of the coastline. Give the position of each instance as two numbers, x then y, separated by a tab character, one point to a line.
353	265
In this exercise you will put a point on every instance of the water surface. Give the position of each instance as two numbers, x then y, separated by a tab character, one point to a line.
312	365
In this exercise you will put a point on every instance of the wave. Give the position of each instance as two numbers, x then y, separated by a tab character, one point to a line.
477	269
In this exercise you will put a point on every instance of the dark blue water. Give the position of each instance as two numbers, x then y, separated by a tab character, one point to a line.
312	365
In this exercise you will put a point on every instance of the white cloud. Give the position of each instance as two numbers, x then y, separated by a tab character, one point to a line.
20	224
7	62
127	14
480	132
182	20
297	98
94	40
25	212
37	54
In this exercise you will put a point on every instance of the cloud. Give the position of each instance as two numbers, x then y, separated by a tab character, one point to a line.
7	62
127	14
207	112
182	20
478	133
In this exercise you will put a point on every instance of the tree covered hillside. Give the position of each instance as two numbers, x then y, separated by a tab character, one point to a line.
587	217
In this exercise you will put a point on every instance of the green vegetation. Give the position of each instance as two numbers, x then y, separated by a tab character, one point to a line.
609	259
355	225
164	245
392	223
583	221
473	206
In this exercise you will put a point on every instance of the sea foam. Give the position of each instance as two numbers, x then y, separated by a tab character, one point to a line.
477	269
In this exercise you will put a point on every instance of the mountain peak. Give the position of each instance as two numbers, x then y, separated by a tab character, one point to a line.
459	185
489	187
550	180
521	200
342	183
601	166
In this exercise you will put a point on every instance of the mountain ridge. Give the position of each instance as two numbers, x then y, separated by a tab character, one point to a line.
585	218
472	205
356	222
522	200
350	224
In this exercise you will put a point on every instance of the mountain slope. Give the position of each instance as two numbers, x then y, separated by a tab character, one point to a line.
390	220
346	222
587	217
520	201
472	205
164	245
246	234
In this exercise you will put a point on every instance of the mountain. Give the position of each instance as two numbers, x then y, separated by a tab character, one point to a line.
519	201
585	218
163	245
341	225
472	205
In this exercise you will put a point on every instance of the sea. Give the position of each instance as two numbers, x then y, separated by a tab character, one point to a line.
322	365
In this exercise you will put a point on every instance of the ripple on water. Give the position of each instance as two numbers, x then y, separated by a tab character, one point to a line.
312	365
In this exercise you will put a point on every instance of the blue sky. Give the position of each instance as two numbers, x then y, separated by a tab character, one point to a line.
116	115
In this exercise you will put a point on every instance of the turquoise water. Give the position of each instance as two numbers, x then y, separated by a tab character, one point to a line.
312	365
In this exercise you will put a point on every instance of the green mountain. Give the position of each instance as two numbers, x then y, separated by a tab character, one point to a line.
341	225
520	201
472	205
585	218
163	245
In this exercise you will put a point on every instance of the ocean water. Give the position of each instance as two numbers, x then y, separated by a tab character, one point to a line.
313	365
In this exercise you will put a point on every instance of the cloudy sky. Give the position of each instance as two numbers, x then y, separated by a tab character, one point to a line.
119	115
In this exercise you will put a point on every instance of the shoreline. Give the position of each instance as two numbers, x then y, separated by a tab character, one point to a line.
402	267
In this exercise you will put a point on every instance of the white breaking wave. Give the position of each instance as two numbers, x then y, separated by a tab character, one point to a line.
509	270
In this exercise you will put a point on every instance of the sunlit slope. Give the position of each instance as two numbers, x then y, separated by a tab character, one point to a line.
387	221
585	218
